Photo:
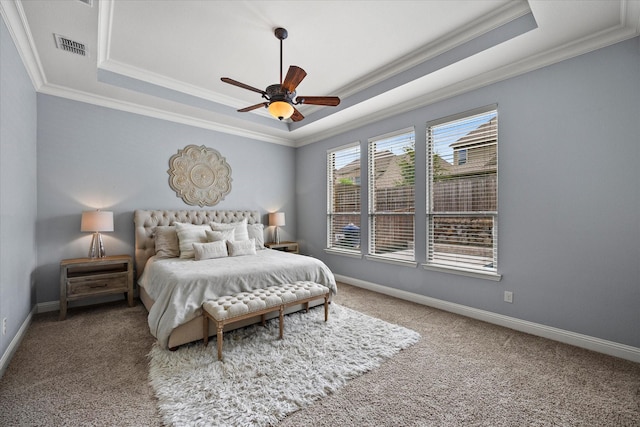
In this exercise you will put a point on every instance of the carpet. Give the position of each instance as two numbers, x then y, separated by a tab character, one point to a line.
262	379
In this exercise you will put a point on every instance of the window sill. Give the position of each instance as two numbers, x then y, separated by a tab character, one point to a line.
462	272
392	261
342	252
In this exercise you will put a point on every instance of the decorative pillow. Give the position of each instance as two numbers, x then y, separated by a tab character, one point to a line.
240	228
167	245
188	234
242	247
256	231
216	236
210	250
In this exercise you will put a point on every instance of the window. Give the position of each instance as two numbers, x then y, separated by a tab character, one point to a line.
462	199
343	198
391	196
462	156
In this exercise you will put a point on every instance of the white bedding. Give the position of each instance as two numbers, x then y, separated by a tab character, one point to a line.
180	286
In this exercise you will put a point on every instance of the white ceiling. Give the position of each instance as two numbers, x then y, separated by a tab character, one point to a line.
165	58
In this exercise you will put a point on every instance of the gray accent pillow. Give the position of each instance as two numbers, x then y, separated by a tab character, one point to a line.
166	239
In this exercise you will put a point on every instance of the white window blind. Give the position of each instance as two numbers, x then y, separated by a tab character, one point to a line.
392	196
462	200
343	198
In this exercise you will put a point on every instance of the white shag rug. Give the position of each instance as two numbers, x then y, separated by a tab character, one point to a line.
263	379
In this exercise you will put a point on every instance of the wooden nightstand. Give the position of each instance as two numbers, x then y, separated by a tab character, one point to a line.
291	247
91	277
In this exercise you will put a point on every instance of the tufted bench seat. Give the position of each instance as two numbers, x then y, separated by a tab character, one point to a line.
233	308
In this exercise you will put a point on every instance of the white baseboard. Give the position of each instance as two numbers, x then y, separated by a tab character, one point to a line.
15	342
45	307
579	340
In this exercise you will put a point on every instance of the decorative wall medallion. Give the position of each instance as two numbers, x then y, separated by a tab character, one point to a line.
199	175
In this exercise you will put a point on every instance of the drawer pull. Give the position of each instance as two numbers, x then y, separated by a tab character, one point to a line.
104	285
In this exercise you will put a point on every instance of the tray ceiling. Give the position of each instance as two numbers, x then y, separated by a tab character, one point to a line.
165	58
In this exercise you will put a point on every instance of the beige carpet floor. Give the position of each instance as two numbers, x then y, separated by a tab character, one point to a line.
92	369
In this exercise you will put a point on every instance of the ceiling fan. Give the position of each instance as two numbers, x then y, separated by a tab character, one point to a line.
281	97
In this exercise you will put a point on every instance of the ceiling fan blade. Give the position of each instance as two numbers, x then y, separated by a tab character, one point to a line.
296	116
253	107
242	85
331	101
294	77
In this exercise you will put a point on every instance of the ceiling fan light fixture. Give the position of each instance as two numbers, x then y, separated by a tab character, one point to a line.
281	110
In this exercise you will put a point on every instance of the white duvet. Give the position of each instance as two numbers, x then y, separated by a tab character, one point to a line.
180	286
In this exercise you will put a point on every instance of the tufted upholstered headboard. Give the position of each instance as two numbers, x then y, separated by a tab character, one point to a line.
145	222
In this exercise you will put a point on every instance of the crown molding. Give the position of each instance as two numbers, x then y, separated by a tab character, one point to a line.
474	29
625	29
13	14
102	101
16	21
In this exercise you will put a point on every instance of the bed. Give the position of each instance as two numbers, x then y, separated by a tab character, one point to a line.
173	289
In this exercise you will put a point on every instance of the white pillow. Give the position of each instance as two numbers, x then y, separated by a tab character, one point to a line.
210	250
242	247
188	234
256	231
240	228
216	236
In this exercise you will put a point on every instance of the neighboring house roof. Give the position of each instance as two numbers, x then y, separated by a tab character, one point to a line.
389	171
481	135
387	168
481	146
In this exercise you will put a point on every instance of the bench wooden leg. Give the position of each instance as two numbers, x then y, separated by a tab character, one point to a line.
326	307
281	321
205	330
220	327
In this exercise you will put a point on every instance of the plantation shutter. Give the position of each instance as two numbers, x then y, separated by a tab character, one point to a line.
343	198
392	196
462	184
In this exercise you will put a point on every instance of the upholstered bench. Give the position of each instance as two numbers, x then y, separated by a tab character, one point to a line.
240	306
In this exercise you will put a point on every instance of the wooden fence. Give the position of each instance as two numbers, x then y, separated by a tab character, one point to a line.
395	231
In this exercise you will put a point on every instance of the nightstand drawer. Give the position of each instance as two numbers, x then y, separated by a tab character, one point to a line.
97	284
95	277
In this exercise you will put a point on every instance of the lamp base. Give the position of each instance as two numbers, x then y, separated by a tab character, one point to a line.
276	235
97	247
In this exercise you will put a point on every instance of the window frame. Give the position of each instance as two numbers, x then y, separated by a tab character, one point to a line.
372	214
431	215
331	213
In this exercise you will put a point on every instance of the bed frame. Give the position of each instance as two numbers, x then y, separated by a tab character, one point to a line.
146	220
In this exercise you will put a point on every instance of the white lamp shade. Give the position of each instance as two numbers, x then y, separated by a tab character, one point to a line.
93	221
277	219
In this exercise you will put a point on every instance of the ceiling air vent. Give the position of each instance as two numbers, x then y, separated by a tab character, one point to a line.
69	45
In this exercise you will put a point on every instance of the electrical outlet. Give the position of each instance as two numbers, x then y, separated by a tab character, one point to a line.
508	296
4	326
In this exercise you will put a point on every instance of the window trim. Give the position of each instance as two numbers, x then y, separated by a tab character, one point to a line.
494	275
371	215
355	253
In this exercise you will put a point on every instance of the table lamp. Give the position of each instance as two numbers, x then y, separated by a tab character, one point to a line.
95	222
276	219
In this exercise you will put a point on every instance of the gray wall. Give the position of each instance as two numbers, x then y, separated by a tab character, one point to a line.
92	157
17	189
569	198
